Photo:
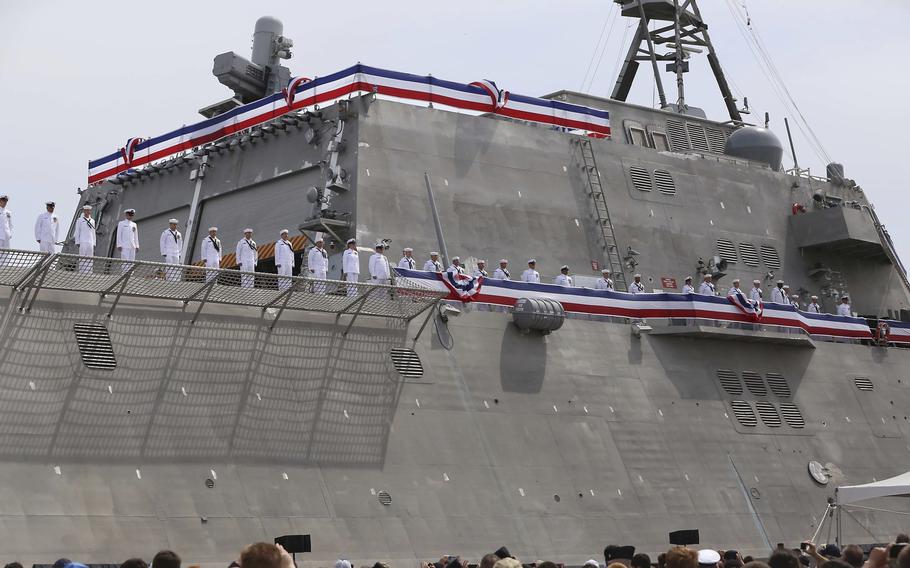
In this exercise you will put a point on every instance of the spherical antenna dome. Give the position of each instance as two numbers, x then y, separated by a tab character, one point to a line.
757	144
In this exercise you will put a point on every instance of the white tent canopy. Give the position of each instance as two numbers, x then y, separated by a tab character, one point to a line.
897	485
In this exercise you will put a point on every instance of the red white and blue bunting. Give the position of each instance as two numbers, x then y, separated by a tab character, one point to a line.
478	96
659	305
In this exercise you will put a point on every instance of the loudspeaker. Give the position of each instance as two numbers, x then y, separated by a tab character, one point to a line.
295	543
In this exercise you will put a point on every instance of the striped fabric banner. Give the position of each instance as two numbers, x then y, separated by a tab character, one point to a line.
658	305
479	96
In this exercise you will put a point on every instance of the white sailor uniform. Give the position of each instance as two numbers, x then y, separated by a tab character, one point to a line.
814	308
707	289
318	265
380	271
432	266
502	274
778	296
211	255
562	280
127	241
636	287
755	294
408	262
350	265
844	310
604	284
247	257
688	289
6	227
479	272
85	237
284	262
47	231
531	276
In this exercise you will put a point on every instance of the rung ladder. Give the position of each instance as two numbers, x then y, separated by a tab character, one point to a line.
612	253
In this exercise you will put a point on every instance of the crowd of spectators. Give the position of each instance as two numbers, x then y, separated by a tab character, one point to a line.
808	555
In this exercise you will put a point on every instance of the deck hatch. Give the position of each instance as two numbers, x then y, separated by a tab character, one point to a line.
768	413
406	362
664	182
730	382
792	415
749	254
95	347
641	179
742	410
778	385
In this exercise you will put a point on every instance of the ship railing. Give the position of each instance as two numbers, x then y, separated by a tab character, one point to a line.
115	278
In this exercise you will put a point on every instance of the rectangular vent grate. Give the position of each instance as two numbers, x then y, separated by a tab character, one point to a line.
863	383
754	383
768	413
778	385
730	382
726	250
697	137
95	347
679	142
749	254
406	362
641	179
742	410
664	182
792	415
770	257
716	140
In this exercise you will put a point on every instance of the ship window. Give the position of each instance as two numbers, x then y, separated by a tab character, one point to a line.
778	385
754	383
742	410
726	250
730	382
768	413
637	137
792	415
679	141
664	182
716	140
661	143
697	137
863	383
406	362
641	179
770	257
749	254
95	346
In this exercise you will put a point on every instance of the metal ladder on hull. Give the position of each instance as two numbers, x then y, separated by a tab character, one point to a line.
602	215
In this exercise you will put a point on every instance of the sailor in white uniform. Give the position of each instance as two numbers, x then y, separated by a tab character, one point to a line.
456	267
284	259
707	287
777	294
813	307
755	292
6	222
47	229
786	293
734	289
563	278
481	269
318	264
502	272
350	265
171	243
211	253
843	308
605	282
433	265
85	236
380	271
127	238
688	288
636	287
794	301
247	253
407	261
531	275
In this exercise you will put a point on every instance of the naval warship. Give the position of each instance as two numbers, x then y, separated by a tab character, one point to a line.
145	408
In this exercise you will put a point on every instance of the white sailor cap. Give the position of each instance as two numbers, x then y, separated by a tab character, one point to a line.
4	196
814	297
407	249
503	261
481	261
213	228
845	297
736	280
605	271
708	557
532	261
707	276
756	281
172	220
637	276
350	241
780	281
379	244
283	232
786	286
454	258
248	230
86	207
434	253
564	267
50	204
592	563
127	211
688	278
794	296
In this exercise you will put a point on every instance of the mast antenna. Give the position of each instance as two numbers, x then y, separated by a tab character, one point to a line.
685	33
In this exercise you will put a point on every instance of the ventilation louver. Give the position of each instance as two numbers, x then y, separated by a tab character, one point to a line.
770	257
754	383
749	254
726	250
778	385
768	413
664	182
730	382
641	179
406	362
742	410
863	383
697	137
716	140
792	415
95	347
384	497
679	141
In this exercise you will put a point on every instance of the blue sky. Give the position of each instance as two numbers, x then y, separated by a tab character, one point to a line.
80	78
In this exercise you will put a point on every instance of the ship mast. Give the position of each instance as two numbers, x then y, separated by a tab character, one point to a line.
684	34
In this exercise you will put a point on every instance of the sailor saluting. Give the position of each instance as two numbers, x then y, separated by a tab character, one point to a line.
211	253
247	257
